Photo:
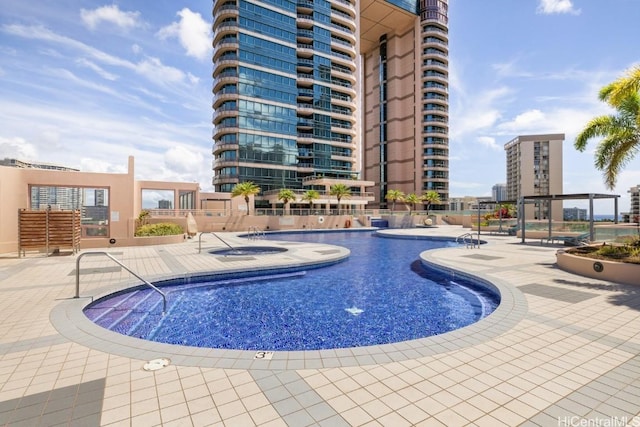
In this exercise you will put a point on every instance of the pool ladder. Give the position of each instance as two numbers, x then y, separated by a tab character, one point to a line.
255	233
217	237
164	296
467	240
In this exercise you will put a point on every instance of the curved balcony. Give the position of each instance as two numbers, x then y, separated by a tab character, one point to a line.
433	75
219	147
434	119
220	97
435	97
305	94
342	101
225	45
435	64
304	108
343	74
303	123
304	36
304	6
220	163
304	138
304	65
221	113
226	61
226	179
223	29
224	8
343	13
432	52
224	78
343	32
431	41
218	131
224	12
304	20
305	80
345	6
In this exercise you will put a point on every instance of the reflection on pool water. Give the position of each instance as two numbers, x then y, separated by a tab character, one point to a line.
381	294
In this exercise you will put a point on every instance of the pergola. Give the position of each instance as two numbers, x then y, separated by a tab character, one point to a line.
578	196
552	197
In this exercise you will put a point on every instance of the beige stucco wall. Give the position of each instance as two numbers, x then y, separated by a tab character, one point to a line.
618	272
403	117
125	200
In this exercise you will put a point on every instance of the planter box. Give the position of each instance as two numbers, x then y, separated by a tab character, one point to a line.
618	272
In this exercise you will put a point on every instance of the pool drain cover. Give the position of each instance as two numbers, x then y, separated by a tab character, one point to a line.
155	364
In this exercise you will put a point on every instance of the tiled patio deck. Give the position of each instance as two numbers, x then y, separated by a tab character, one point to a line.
561	350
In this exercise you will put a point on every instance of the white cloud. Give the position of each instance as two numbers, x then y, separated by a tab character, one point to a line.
548	7
193	32
183	160
17	148
99	70
489	142
151	68
111	14
477	112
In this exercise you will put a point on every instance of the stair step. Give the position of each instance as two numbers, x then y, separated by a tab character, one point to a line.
100	311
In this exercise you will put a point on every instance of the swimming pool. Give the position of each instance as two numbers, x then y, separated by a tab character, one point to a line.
381	294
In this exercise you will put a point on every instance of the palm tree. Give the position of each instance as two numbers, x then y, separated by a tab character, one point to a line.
340	191
310	196
621	133
393	196
411	200
627	85
431	197
286	195
245	189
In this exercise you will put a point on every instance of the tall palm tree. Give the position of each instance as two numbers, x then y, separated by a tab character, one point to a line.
341	191
411	199
620	132
286	195
394	196
431	197
245	189
310	196
624	86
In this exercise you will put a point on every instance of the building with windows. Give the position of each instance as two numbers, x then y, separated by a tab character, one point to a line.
499	192
575	214
405	97
534	168
309	93
634	210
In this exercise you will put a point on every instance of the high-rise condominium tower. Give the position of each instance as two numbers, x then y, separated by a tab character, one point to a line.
406	96
534	168
284	91
331	89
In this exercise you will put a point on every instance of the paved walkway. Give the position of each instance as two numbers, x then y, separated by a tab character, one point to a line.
561	350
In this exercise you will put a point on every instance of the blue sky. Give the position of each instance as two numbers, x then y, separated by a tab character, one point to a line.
88	83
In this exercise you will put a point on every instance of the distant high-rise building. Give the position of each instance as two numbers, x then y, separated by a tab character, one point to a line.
332	89
165	204
499	192
574	214
15	163
634	211
534	168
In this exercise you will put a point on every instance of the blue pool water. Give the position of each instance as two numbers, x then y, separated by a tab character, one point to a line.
381	294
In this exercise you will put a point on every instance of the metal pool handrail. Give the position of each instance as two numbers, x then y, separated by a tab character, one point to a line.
468	242
164	297
218	237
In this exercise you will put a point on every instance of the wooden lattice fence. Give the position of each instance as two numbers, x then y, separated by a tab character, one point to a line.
48	230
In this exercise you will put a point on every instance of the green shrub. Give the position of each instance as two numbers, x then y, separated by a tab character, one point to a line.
161	229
